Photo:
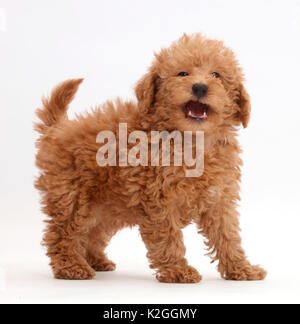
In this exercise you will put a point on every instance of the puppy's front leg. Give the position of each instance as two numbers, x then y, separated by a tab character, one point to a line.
220	225
163	239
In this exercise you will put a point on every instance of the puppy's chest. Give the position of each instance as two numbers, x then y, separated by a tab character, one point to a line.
196	195
203	192
188	207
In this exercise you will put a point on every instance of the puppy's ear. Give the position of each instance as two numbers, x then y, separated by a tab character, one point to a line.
245	107
145	90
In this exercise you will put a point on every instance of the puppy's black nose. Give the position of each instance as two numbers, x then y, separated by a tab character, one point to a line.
199	89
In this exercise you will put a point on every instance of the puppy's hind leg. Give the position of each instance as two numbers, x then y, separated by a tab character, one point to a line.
66	236
96	256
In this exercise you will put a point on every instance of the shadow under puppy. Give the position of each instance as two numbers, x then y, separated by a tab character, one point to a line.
194	85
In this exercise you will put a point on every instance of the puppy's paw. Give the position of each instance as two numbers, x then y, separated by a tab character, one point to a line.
248	273
105	265
185	274
75	272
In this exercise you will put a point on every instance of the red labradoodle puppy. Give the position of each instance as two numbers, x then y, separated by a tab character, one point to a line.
194	85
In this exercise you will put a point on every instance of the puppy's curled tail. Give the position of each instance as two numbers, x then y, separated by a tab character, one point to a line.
55	107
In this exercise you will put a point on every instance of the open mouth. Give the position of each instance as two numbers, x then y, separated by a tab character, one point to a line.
196	110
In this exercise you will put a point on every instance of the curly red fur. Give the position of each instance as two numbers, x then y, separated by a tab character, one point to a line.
87	204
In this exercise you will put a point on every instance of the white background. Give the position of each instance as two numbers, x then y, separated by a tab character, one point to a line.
110	44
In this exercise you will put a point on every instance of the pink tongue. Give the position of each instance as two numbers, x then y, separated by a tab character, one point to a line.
196	114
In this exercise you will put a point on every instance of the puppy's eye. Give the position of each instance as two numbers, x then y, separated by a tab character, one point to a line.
215	75
182	74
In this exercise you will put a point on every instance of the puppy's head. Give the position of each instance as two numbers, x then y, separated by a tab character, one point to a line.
195	84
